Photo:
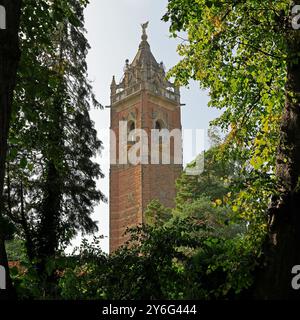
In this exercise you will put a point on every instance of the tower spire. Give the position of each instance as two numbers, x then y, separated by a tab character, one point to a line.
144	72
113	86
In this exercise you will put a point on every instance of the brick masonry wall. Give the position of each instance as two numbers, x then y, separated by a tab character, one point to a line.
133	187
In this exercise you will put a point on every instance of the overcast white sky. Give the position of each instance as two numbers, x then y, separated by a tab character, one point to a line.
114	33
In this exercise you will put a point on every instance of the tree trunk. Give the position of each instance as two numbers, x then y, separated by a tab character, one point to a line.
282	249
48	232
9	58
48	235
29	245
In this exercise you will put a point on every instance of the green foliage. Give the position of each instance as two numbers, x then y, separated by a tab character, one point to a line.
182	260
151	266
237	50
209	245
16	250
221	269
215	182
51	189
200	250
83	273
156	213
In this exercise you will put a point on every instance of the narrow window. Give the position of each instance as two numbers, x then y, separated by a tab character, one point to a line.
131	128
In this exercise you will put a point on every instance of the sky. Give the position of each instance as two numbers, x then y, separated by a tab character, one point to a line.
114	33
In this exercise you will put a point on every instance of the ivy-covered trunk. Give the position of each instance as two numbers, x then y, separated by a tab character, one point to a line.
51	211
48	232
283	244
9	58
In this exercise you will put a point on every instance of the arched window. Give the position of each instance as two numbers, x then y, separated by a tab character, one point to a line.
159	125
131	128
2	18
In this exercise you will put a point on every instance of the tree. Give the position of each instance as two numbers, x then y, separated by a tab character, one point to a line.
9	58
199	250
246	54
50	185
215	182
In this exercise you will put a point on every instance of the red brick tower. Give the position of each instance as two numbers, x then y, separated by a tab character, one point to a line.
145	100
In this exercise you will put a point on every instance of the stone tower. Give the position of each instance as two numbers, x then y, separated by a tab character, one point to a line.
143	99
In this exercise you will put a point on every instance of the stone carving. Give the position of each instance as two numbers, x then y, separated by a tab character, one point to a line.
144	73
144	27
